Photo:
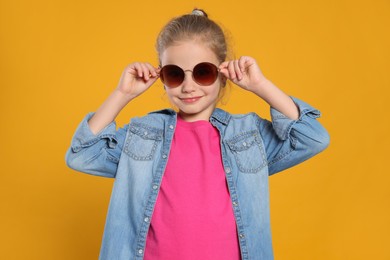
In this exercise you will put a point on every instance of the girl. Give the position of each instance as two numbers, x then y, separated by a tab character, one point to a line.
193	184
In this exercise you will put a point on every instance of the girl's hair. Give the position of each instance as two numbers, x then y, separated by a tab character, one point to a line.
194	26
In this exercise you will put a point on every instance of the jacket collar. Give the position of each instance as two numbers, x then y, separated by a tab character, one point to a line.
220	115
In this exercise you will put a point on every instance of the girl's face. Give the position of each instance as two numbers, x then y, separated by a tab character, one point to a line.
195	102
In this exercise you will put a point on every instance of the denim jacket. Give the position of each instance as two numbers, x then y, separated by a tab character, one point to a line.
137	154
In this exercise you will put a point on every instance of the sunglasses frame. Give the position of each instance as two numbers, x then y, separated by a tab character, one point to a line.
183	72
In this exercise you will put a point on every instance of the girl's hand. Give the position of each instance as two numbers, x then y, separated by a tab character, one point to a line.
137	78
243	72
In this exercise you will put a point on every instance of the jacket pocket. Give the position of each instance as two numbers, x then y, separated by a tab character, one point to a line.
141	142
248	151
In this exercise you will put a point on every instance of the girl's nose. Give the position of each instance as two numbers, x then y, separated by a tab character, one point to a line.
188	85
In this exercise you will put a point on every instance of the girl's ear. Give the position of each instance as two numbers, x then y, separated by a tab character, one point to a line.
223	80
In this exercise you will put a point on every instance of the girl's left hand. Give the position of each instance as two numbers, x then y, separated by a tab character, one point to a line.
243	72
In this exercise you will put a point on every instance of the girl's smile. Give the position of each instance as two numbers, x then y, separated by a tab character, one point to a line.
190	100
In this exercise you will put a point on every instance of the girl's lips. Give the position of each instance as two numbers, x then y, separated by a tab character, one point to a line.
190	99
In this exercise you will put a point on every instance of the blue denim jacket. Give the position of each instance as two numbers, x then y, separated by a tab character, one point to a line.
137	154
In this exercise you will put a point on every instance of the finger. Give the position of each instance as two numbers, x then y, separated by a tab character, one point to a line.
232	72
158	70
246	62
145	71
242	62
136	69
223	68
223	65
152	71
237	69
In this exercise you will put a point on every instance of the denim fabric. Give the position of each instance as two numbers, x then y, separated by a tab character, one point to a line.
136	156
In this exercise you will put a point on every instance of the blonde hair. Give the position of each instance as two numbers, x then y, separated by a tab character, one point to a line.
194	26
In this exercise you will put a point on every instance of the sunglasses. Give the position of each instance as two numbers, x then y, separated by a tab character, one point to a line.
204	73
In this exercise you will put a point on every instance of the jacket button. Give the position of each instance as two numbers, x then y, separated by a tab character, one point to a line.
235	203
242	235
146	219
171	126
155	187
140	251
164	156
227	169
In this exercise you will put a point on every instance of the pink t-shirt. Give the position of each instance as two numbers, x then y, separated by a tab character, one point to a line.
193	217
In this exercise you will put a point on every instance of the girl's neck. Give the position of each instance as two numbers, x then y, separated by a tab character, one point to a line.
194	117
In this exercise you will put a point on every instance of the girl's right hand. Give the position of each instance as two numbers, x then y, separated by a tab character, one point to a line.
137	78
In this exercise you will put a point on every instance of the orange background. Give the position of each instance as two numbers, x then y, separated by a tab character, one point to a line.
61	59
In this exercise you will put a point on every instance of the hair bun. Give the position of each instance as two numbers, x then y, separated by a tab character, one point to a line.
199	12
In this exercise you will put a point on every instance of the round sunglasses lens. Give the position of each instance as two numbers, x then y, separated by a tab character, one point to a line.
172	76
205	73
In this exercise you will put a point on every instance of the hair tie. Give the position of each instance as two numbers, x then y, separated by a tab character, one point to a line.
199	12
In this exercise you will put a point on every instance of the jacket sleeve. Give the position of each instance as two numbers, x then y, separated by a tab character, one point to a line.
96	154
289	142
